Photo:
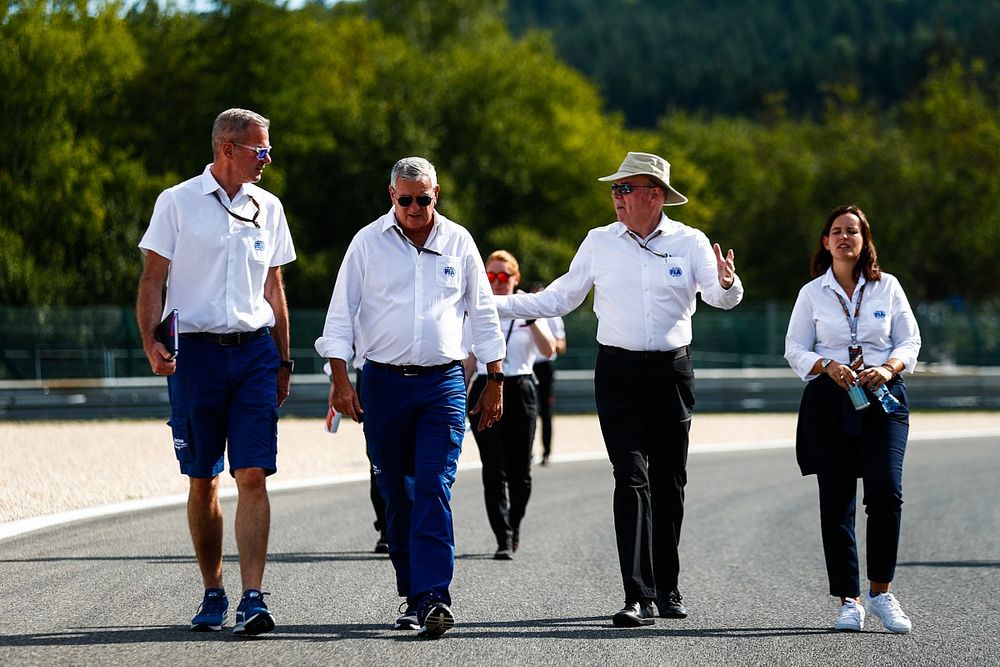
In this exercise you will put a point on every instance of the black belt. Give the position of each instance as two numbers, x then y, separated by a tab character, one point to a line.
234	338
410	370
646	355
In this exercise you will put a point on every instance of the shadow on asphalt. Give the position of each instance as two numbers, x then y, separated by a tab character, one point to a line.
950	563
592	627
292	557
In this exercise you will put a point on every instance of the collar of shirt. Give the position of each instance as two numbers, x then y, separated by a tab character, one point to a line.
436	241
664	226
830	280
210	185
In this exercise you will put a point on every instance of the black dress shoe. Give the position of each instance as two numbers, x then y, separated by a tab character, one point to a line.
670	605
382	546
635	614
503	553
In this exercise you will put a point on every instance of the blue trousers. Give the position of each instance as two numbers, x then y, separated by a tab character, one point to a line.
225	398
414	427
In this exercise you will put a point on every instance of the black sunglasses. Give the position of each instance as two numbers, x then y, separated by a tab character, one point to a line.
625	188
422	200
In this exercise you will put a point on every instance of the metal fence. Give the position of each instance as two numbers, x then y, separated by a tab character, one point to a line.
38	343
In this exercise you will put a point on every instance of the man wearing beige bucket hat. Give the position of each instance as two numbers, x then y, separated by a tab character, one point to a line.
646	270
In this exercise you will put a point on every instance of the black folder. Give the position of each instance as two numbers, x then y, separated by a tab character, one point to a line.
168	334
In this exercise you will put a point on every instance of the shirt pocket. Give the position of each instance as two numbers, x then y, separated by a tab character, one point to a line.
877	322
258	245
677	271
447	271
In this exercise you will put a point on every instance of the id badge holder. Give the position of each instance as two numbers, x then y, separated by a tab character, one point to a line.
856	356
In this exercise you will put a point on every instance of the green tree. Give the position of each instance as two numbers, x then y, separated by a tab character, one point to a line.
67	199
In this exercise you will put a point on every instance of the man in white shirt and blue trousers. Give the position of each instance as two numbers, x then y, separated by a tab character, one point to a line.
646	270
407	282
223	241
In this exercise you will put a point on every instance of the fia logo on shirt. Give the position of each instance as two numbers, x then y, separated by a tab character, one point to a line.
449	271
675	272
879	314
258	245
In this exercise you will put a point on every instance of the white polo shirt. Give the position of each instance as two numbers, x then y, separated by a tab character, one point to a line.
643	301
819	328
218	264
522	350
396	305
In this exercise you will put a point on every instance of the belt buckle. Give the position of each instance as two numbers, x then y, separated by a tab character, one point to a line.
409	371
229	339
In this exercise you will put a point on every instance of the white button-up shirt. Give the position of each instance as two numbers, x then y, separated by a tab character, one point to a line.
395	305
643	301
819	328
218	264
522	350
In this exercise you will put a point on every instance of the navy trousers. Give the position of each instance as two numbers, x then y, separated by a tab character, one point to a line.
843	445
414	427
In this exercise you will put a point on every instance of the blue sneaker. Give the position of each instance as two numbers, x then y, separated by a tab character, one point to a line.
211	615
435	618
252	616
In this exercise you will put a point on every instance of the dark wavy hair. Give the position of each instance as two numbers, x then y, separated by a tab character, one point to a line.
868	259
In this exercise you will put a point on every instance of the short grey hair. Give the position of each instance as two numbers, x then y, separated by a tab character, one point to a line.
413	169
232	123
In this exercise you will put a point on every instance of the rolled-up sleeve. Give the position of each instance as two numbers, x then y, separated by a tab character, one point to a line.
904	330
337	341
487	342
800	339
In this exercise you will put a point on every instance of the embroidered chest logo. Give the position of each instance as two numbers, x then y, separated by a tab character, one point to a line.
879	314
449	271
258	245
675	272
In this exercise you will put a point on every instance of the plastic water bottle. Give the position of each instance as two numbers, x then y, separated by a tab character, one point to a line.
886	400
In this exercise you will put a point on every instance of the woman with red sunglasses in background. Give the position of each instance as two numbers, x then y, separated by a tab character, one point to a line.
505	447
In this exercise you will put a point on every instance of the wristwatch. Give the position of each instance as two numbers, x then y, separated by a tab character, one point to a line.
496	377
289	364
823	364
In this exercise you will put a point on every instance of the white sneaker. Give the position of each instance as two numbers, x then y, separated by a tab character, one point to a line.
851	617
885	607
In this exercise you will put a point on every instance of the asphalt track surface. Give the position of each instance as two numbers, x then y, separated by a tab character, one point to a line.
120	590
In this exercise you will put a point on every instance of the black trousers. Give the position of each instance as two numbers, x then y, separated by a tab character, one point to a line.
841	444
644	405
505	450
545	371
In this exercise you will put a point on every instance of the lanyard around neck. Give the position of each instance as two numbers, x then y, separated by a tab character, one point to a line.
852	323
645	246
419	248
252	221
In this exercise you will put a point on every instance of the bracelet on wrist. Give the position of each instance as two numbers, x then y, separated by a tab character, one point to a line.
892	371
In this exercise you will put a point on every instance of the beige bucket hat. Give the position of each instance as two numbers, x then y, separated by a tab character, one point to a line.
647	164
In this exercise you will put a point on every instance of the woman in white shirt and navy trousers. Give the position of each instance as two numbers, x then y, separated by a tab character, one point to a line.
505	447
852	311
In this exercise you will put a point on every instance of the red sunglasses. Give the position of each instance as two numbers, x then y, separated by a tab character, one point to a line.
501	276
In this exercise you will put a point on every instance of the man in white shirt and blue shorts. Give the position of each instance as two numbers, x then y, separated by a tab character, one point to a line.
646	270
407	282
219	242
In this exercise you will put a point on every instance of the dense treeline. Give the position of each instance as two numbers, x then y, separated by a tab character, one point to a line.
106	104
742	57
